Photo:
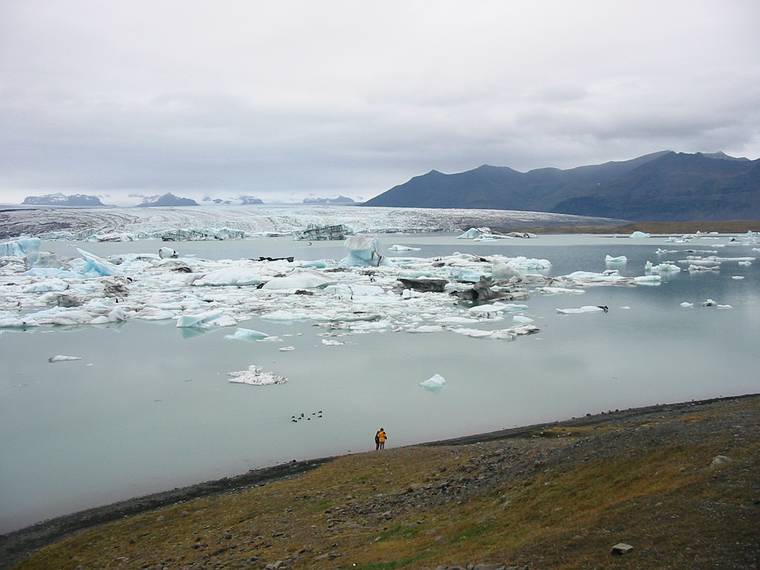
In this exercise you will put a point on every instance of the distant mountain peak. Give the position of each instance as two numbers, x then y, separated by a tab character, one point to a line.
167	199
59	199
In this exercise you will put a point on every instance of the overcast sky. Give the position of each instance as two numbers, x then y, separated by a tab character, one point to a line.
285	99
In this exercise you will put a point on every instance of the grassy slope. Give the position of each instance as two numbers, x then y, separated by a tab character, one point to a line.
558	499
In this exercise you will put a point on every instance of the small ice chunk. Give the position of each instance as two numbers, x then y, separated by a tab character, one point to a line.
619	260
737	277
625	308
426	329
396	247
560	291
687	305
580	310
435	382
522	319
725	307
709	303
255	376
167	253
63	358
199	319
661	269
639	235
287	348
474	333
247	335
331	342
745	263
647	280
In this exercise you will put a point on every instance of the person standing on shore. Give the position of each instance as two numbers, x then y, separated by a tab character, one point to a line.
381	437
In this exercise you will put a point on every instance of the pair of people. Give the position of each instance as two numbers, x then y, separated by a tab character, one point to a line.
380	437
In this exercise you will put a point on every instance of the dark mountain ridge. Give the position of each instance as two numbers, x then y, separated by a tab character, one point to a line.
660	186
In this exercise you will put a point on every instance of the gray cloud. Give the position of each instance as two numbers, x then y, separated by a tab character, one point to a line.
343	97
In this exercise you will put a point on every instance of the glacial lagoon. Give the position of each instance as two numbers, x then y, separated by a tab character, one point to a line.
149	405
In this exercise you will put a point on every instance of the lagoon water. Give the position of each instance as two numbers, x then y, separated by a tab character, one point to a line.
150	408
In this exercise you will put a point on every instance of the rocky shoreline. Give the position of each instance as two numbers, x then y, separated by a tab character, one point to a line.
535	445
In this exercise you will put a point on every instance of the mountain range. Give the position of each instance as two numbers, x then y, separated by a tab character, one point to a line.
167	199
664	185
71	200
338	201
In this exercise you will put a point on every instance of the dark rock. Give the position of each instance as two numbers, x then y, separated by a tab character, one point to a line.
424	285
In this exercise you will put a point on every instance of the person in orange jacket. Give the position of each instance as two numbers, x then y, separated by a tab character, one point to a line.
380	438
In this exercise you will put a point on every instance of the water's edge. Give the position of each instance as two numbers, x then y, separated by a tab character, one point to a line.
18	544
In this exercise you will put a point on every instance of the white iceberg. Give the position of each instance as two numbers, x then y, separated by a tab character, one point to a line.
247	335
435	382
522	320
737	277
255	376
205	319
661	269
167	253
331	342
619	260
363	251
647	280
63	358
581	310
639	235
687	305
396	247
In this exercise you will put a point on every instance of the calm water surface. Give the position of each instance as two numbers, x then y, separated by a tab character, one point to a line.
154	410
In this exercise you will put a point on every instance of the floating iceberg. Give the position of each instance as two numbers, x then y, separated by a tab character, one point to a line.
661	269
403	248
520	266
331	342
363	251
522	319
63	358
619	260
94	265
647	280
255	376
737	277
205	319
28	248
639	235
687	305
247	335
581	310
167	253
435	382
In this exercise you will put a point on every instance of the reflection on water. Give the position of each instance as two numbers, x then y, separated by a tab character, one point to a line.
148	408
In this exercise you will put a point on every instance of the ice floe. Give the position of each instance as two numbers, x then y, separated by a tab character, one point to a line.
255	376
639	235
581	310
434	383
615	260
397	247
248	335
63	358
